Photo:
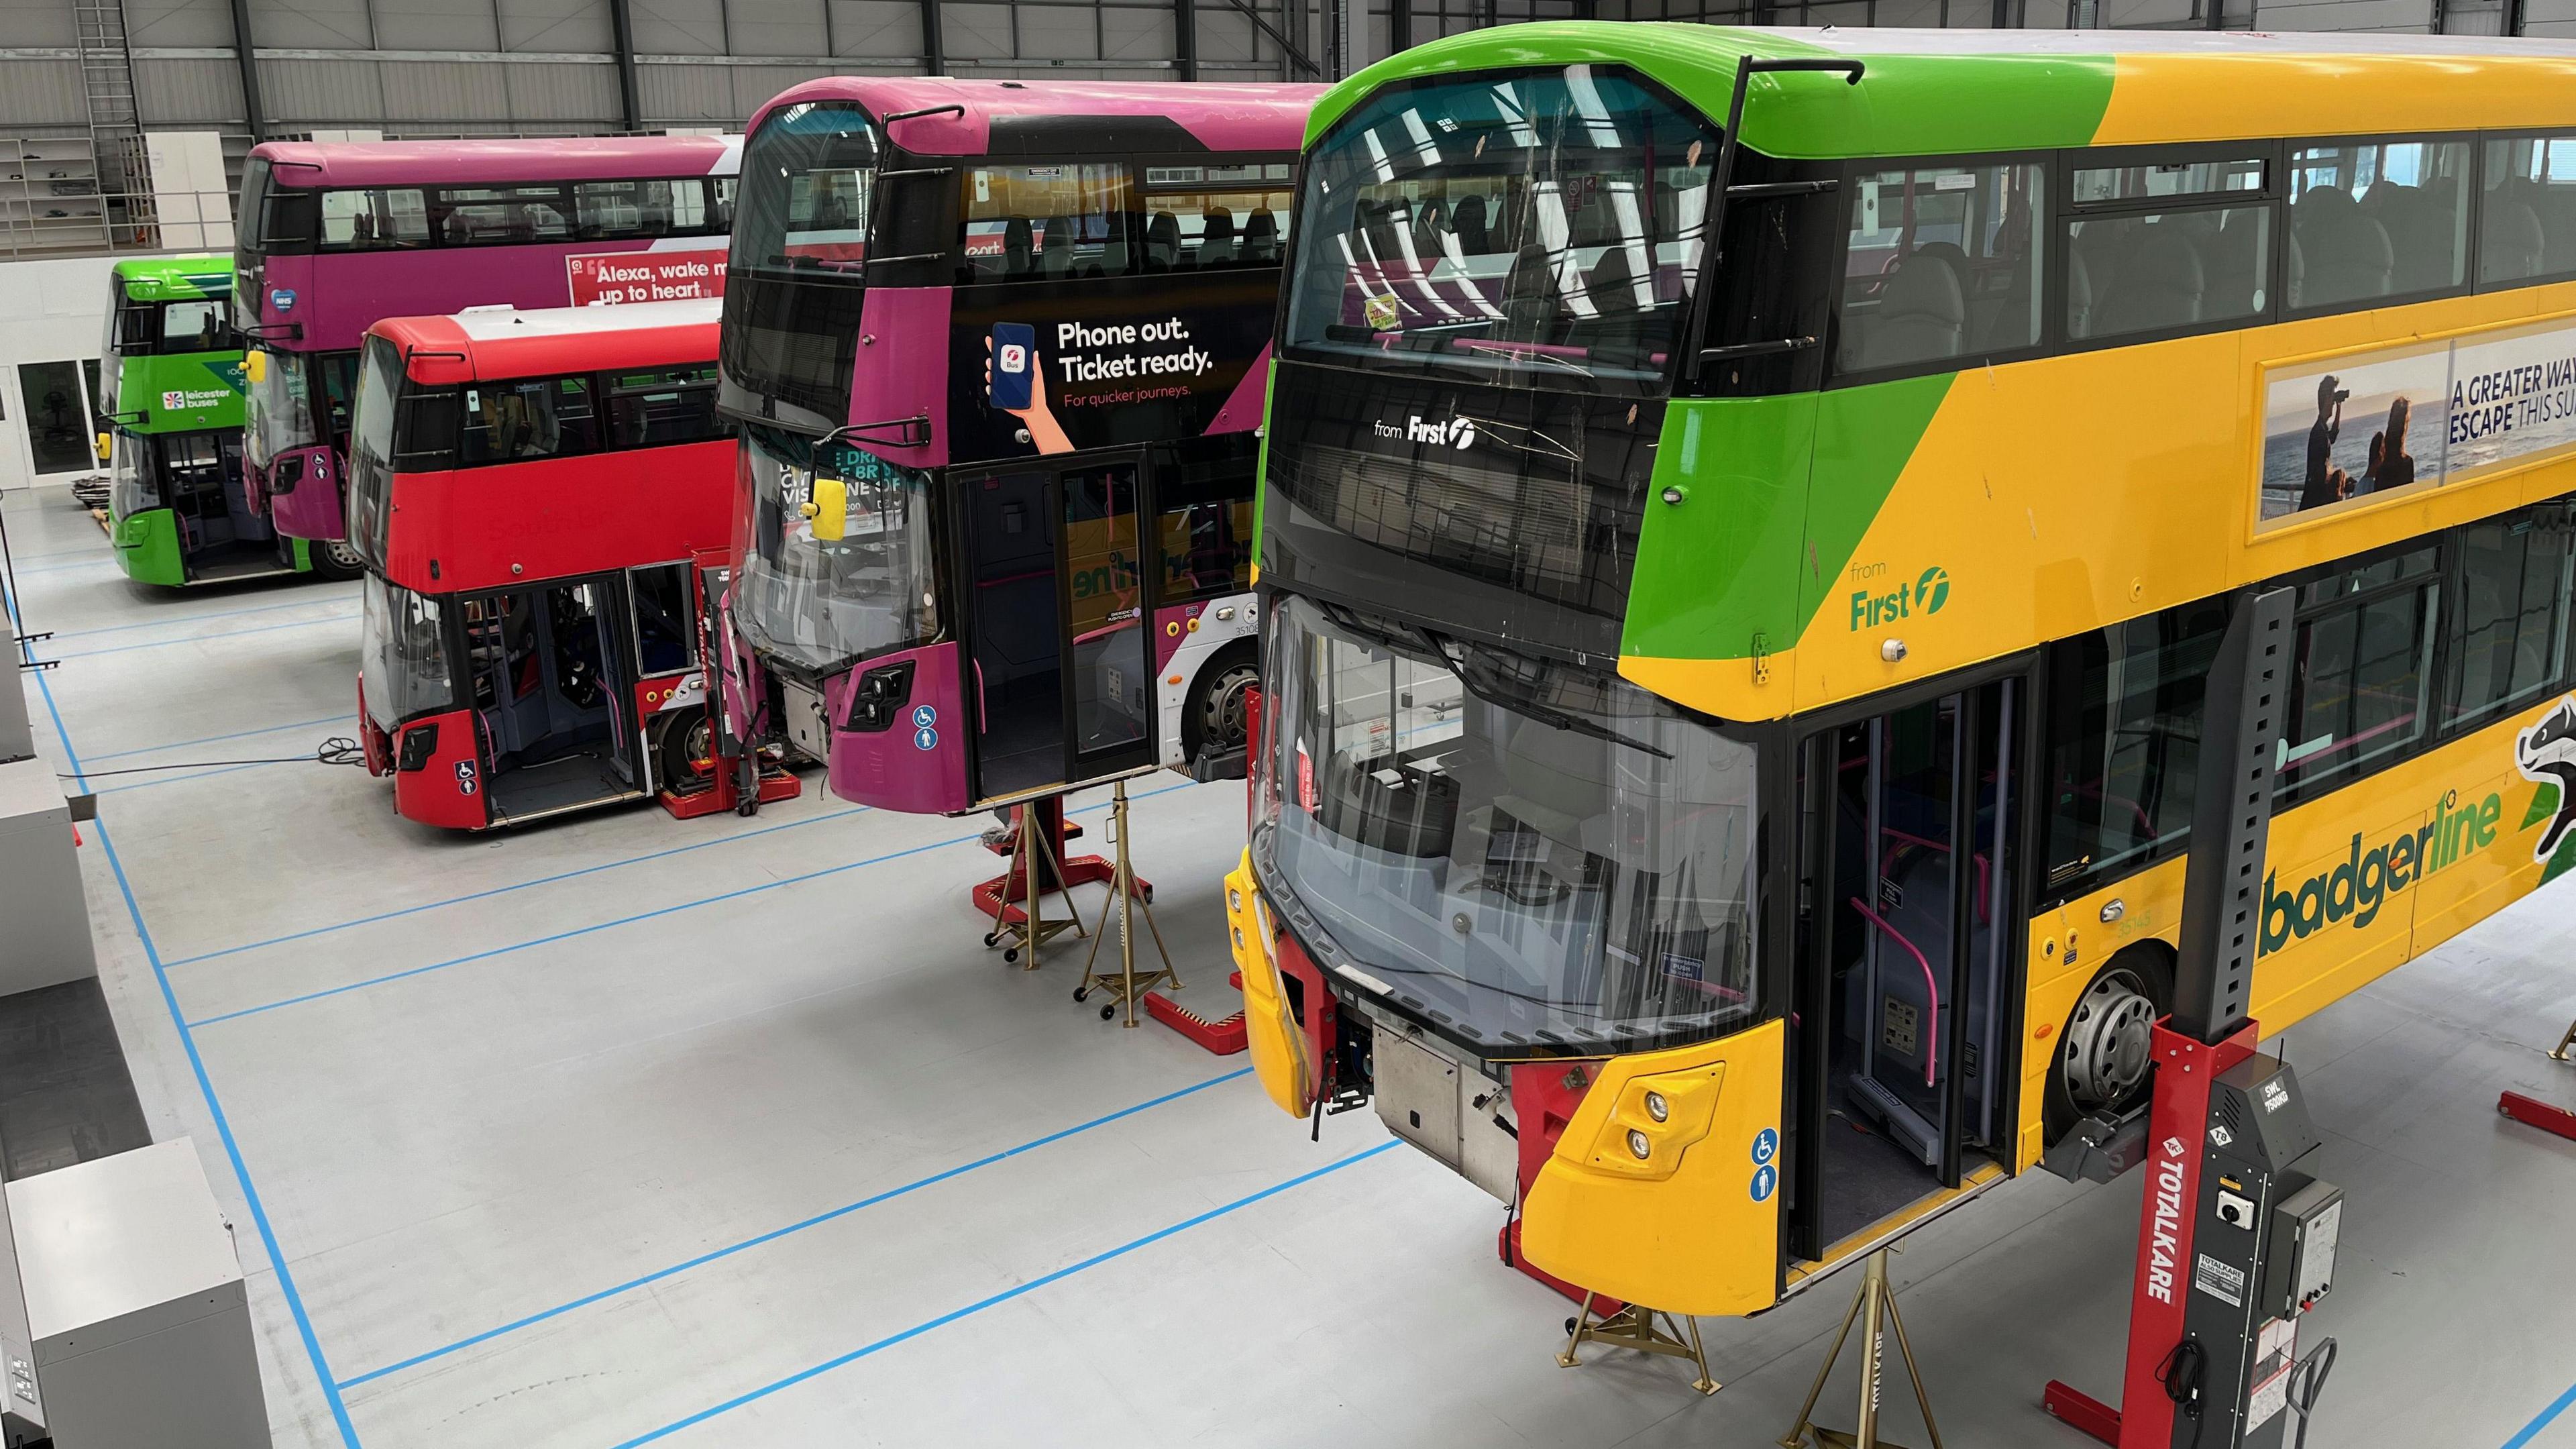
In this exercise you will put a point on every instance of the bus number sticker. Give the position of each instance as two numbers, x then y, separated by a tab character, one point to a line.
1766	1145
925	739
924	716
1765	1178
465	782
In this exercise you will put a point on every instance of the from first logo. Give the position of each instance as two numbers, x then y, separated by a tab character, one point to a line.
1929	591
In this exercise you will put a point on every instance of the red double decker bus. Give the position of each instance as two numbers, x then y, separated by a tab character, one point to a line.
529	494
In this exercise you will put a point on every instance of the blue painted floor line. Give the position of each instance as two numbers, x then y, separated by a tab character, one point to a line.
275	729
2547	1417
655	914
520	886
204	638
25	571
315	601
214	1104
1022	1291
775	1234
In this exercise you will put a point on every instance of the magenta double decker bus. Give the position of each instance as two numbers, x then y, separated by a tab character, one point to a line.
998	348
335	237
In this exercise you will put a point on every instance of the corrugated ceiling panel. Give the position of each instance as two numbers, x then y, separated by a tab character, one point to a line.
312	25
437	25
687	95
680	27
888	29
41	93
557	25
433	91
189	92
551	95
303	94
179	22
778	27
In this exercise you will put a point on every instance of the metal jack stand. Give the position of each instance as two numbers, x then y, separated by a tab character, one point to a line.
1635	1327
2564	1043
1124	987
1034	861
1875	1306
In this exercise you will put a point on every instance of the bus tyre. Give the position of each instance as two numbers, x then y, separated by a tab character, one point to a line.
1218	718
334	560
2105	1048
684	751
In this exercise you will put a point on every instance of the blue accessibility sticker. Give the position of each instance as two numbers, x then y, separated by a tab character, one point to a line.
1766	1145
924	716
1765	1178
925	739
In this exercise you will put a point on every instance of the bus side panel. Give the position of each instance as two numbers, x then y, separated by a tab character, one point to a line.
492	527
913	759
2503	858
147	547
1694	1226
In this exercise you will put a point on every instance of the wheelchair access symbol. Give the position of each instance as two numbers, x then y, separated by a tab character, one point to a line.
1766	1145
465	781
924	716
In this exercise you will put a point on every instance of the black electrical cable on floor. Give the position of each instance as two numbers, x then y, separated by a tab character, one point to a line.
2307	1381
337	750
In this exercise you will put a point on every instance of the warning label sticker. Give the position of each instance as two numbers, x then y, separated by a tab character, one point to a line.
2270	1397
2222	1281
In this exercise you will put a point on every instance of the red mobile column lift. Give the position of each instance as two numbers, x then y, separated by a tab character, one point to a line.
2236	1239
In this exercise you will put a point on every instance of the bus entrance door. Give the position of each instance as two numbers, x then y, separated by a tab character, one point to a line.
1909	857
552	678
1060	673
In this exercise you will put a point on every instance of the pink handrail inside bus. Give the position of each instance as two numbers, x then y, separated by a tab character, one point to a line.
1932	1028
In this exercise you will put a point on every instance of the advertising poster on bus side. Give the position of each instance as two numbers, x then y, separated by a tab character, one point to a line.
2356	430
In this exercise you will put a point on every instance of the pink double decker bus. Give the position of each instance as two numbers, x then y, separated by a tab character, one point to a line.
335	237
999	350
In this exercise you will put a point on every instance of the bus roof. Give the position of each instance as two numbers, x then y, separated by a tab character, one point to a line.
173	279
1048	117
487	344
1931	92
325	164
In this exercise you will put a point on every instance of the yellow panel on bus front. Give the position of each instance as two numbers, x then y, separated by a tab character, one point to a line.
1270	1031
1693	1225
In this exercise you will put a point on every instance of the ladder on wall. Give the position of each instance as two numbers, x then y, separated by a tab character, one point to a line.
115	120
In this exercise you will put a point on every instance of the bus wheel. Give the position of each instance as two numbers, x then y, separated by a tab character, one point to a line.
1219	717
334	560
685	754
2105	1050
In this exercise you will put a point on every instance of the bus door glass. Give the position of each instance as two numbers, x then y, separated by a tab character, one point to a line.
1109	686
1908	896
1017	674
552	685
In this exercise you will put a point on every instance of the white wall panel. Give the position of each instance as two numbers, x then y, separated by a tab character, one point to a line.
312	25
883	28
422	93
753	85
37	22
549	95
188	92
690	95
434	25
777	27
178	22
1227	34
559	26
302	93
1059	32
1133	34
2343	15
978	32
679	27
40	93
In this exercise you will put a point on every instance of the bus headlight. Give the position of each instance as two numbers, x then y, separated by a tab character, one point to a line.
1638	1144
1655	1121
1657	1108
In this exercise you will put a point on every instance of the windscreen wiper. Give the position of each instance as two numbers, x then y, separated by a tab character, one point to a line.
1544	714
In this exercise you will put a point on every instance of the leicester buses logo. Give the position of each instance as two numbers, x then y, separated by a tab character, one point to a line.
2546	752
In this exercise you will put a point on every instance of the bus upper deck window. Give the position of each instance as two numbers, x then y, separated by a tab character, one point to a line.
2377	220
1942	262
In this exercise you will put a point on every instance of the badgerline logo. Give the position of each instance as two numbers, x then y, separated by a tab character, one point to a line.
1925	595
2164	1239
1457	432
2363	883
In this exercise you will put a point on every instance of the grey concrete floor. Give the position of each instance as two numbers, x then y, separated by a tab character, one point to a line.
730	1132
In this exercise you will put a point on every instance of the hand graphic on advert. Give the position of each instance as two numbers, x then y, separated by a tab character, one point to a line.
1037	417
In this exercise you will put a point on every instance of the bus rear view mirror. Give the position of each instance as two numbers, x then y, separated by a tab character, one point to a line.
255	366
830	509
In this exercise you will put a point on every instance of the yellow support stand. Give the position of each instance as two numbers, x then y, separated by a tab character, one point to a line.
1640	1330
1123	986
1028	854
1875	1307
2564	1043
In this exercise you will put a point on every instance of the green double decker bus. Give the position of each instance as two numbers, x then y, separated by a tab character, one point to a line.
173	364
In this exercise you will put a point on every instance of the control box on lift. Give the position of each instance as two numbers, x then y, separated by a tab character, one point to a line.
2262	1253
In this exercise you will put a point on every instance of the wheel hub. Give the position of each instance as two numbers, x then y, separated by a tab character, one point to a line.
2108	1042
1222	719
342	554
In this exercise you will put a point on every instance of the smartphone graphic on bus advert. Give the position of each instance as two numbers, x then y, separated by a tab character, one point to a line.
1015	365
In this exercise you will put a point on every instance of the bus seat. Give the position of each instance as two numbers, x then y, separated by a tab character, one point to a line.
1612	283
1055	249
2232	261
1920	315
2162	286
2510	242
1015	247
1216	238
2079	297
1261	237
2418	241
1530	296
2348	254
1473	239
2556	208
1162	242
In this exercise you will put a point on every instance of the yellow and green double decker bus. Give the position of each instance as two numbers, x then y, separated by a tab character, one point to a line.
1733	710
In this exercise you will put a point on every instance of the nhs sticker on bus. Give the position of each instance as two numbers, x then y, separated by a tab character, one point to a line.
282	298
